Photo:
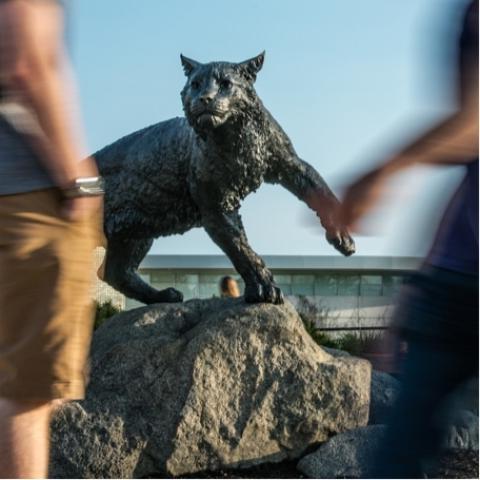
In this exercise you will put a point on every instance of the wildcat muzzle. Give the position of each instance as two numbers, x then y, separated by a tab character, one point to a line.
207	116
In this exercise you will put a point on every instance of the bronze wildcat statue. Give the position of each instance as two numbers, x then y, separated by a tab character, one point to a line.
194	172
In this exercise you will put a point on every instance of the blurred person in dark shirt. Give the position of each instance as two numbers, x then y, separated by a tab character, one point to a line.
438	309
49	221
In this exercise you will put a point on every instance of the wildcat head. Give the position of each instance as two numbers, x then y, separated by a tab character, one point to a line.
217	92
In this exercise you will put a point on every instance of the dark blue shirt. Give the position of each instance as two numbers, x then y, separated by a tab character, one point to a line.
456	244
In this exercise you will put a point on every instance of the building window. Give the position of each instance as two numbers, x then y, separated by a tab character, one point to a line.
302	289
162	286
303	284
187	278
187	283
348	285
208	284
371	286
162	276
286	288
325	285
189	291
282	279
208	290
210	277
198	284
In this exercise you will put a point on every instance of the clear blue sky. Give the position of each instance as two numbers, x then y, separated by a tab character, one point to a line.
347	79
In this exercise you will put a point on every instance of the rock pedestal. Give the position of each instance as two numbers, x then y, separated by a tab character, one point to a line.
348	455
208	384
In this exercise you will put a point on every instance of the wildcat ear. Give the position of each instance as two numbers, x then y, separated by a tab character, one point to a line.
188	65
252	66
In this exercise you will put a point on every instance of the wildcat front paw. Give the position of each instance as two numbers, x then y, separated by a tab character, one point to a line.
341	241
263	293
168	295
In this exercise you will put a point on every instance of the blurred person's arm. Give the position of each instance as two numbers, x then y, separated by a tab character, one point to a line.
33	65
453	141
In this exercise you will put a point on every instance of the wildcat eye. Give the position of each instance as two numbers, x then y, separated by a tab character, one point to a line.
225	84
195	85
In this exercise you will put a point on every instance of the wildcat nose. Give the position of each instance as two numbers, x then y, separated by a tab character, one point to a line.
206	98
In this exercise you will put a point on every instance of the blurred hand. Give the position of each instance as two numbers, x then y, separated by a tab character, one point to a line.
361	198
80	208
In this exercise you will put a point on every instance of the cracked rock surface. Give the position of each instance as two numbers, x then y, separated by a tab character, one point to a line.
205	385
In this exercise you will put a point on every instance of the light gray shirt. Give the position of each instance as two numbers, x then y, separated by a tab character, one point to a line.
20	168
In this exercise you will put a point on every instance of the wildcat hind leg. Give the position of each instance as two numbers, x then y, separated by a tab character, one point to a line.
122	260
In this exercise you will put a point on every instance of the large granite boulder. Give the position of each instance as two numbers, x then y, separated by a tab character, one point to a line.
384	390
346	455
465	397
352	454
461	430
383	395
204	385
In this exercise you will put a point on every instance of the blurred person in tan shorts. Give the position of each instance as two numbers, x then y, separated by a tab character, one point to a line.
49	225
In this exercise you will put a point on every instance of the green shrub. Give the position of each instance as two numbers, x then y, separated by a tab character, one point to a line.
310	315
350	342
318	336
362	342
353	343
312	312
104	311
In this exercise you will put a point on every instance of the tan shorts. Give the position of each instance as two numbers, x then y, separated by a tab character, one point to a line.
46	312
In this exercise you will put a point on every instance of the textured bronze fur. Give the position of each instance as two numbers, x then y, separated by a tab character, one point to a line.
195	171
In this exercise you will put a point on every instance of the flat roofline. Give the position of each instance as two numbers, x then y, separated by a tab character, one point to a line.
284	262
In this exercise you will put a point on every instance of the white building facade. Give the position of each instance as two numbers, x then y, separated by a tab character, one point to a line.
352	292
